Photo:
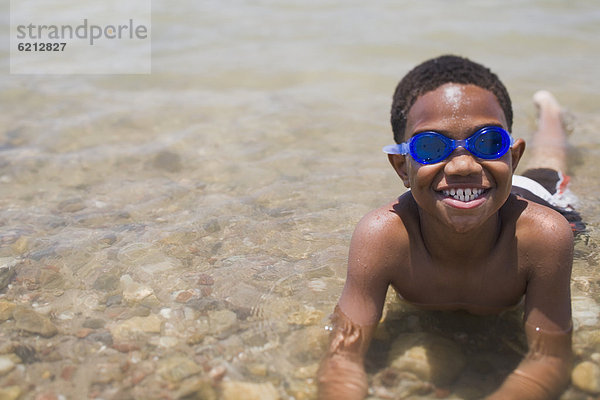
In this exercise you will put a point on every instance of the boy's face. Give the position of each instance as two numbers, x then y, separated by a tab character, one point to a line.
457	111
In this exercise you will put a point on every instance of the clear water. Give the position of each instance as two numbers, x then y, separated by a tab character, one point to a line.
243	162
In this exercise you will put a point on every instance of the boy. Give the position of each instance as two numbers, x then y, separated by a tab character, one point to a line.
459	239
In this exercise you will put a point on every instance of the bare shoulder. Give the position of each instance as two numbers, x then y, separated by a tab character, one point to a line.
543	234
388	224
381	237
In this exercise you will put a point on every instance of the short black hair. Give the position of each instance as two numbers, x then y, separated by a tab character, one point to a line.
436	72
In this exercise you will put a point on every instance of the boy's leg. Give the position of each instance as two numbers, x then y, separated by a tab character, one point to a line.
543	181
548	147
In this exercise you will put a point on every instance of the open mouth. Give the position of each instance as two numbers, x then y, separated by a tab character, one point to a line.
467	194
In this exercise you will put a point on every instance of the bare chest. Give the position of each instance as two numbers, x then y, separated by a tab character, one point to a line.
479	287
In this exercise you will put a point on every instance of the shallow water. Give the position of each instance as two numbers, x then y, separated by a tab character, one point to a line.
211	203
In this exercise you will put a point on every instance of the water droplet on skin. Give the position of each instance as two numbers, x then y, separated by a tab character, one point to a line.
453	95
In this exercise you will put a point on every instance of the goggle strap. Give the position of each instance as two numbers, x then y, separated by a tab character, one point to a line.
401	148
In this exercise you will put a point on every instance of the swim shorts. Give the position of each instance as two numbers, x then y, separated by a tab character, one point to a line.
550	188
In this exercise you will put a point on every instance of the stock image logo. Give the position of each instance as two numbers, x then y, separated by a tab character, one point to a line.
79	38
84	31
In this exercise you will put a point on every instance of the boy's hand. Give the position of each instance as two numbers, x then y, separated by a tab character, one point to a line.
341	378
342	375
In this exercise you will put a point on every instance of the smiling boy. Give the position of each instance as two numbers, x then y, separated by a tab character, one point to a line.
459	239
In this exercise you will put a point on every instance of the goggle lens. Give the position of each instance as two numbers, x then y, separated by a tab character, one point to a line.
429	147
489	144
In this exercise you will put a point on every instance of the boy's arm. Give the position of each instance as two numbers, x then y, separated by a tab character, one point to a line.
544	373
342	374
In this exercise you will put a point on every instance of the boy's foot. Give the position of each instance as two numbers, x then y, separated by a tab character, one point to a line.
546	103
548	145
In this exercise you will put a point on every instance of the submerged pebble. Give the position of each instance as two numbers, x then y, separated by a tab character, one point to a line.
586	377
7	271
6	365
307	344
585	311
71	205
26	353
106	372
50	279
10	393
302	390
6	310
32	322
168	161
106	282
222	322
430	357
235	390
21	245
177	368
104	337
133	328
94	323
200	388
133	291
258	369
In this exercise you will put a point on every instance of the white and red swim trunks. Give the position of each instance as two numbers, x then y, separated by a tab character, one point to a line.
549	188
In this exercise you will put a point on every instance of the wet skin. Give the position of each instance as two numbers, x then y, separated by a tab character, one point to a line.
457	116
481	255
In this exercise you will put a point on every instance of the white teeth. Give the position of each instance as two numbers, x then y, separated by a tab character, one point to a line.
467	194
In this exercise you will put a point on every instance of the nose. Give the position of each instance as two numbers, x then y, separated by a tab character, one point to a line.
461	162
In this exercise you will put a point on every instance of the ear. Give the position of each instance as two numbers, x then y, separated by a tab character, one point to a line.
400	165
516	152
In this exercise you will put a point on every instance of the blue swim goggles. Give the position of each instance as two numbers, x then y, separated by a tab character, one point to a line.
488	143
